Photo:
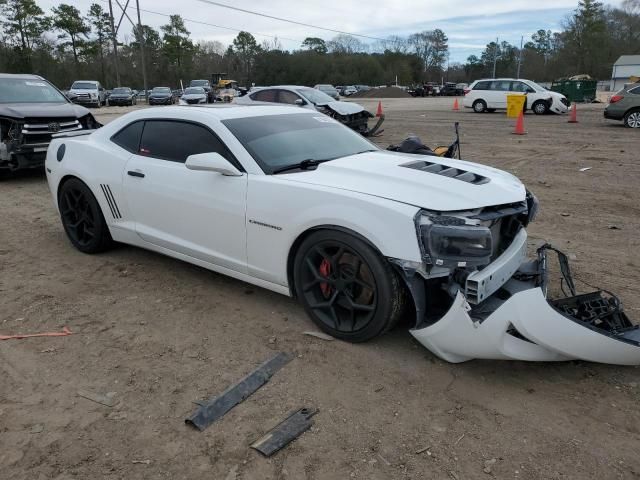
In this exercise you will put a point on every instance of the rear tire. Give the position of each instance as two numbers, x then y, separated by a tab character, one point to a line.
540	107
347	289
632	119
479	106
82	218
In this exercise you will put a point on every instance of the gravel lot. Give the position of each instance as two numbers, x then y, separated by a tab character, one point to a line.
163	334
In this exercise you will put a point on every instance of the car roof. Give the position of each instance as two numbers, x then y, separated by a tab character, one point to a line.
20	75
223	111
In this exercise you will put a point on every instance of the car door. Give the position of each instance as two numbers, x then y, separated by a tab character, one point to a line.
498	93
521	88
197	213
265	95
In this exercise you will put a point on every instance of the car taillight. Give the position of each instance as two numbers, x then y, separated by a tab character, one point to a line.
466	90
615	98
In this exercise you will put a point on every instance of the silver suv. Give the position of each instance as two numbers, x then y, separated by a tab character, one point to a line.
88	92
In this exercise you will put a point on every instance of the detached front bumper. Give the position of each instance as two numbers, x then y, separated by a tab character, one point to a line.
517	321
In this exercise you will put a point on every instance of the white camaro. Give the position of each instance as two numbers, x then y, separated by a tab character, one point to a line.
293	201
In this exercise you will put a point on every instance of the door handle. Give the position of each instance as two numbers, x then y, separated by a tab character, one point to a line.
133	173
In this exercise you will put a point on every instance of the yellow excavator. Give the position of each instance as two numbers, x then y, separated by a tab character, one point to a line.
225	89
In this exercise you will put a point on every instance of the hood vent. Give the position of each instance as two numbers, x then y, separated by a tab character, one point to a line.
445	171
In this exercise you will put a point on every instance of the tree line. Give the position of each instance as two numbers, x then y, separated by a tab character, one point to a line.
66	44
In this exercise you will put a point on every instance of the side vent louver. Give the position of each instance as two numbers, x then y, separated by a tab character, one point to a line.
445	171
113	206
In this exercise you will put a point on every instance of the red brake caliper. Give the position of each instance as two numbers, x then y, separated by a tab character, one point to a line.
325	270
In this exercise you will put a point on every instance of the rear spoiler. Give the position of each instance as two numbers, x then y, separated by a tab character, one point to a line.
77	133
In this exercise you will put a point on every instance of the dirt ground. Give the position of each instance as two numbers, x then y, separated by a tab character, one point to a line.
163	334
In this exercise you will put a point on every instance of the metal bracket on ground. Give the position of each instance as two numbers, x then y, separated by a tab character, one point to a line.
218	406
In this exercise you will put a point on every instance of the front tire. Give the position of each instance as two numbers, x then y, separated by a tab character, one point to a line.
540	107
479	106
632	119
82	218
347	289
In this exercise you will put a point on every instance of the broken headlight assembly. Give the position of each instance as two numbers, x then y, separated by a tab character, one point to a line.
448	241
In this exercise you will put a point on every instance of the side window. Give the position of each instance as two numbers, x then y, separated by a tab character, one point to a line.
285	96
500	85
482	86
129	137
518	87
635	91
175	141
265	96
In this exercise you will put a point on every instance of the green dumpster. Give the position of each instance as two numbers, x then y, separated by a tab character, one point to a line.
576	90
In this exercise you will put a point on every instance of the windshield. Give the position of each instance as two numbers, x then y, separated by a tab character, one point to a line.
121	90
315	96
84	86
199	83
275	141
194	91
23	90
161	90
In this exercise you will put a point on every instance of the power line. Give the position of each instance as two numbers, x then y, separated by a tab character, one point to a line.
295	22
212	24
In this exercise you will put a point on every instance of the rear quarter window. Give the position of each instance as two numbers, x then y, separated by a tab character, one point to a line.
129	137
635	91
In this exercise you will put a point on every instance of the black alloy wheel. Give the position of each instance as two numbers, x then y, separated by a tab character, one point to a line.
347	289
82	218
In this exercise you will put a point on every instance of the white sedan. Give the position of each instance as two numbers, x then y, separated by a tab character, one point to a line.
295	202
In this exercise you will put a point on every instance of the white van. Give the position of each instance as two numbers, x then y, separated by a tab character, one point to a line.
490	94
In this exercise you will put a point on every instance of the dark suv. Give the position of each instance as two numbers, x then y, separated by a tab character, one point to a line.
31	110
625	106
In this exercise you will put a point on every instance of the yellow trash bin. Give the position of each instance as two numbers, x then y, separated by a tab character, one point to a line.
515	104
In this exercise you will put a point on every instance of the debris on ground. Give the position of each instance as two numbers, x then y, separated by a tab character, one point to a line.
218	406
145	462
65	332
285	432
488	464
613	227
584	169
422	450
107	399
37	428
320	335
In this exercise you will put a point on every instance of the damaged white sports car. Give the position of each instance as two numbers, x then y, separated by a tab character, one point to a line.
294	201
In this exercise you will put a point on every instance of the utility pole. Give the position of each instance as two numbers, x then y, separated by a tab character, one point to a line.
520	57
114	37
141	40
137	28
495	58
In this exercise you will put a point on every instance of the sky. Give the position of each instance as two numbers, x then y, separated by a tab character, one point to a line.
469	24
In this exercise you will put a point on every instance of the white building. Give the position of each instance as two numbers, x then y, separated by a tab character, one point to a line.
626	66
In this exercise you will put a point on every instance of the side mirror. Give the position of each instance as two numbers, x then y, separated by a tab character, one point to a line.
212	162
300	102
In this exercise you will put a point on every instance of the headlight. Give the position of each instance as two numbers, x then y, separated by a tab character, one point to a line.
447	242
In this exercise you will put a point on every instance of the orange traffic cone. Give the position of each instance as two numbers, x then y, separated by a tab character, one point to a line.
379	112
573	116
520	125
456	107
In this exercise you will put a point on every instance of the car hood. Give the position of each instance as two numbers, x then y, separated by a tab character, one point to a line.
160	95
382	174
31	110
193	96
343	108
121	95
